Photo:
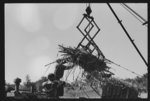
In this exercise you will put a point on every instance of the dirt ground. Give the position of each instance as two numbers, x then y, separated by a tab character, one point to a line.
80	93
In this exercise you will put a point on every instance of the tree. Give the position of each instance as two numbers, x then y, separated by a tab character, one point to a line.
145	75
38	83
29	84
17	82
140	82
28	81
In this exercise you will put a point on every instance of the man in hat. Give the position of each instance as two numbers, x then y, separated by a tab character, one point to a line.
50	86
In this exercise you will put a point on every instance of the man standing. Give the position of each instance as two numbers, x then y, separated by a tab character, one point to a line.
59	72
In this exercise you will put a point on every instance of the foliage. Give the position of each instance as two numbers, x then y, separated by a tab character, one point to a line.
96	68
140	82
89	62
39	82
28	82
9	88
115	88
17	81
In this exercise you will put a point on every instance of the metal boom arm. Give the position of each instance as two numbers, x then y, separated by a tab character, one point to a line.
131	40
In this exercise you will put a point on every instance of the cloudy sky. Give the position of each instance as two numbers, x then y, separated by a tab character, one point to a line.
34	31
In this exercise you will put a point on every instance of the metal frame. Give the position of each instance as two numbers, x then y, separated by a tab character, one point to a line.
87	36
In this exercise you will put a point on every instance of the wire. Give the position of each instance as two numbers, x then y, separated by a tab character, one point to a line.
85	92
93	88
131	12
95	91
86	5
124	68
81	93
74	72
134	12
78	74
68	74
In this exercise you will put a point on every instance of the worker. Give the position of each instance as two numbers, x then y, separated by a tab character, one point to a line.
59	72
60	68
60	88
50	86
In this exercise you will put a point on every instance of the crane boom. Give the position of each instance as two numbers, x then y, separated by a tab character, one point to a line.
145	22
131	40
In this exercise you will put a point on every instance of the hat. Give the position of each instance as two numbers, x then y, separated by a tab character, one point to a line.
51	76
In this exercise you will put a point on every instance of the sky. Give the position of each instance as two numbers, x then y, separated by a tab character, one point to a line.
34	31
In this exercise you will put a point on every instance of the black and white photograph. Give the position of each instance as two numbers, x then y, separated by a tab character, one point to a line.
76	50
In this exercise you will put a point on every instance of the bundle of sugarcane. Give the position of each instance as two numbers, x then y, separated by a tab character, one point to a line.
115	88
81	57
